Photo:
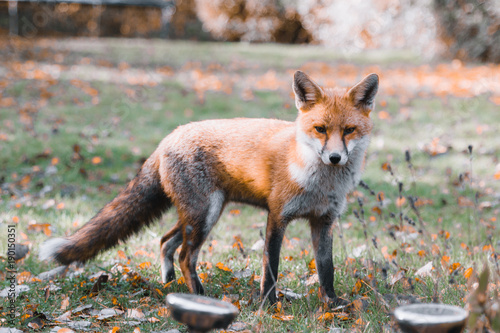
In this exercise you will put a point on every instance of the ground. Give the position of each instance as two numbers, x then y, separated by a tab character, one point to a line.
79	116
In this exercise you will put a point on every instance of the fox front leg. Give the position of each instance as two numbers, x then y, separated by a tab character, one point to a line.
322	238
275	231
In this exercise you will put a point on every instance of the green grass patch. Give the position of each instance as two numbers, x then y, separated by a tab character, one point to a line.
64	156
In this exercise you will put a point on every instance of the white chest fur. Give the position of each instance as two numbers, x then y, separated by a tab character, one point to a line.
324	186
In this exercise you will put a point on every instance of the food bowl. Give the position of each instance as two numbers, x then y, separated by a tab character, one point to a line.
430	318
201	313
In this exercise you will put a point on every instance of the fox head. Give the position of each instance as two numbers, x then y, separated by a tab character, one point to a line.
333	123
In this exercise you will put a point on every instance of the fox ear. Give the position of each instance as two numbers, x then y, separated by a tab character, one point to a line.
363	94
307	92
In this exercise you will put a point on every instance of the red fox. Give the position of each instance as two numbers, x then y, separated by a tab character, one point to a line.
301	169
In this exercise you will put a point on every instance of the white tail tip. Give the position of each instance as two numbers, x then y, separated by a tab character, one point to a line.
51	247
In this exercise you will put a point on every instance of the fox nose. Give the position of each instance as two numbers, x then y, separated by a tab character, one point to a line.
335	158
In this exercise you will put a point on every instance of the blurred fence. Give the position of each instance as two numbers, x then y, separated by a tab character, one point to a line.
467	29
98	18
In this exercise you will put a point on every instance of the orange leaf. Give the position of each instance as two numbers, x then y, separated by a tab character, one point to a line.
46	230
359	322
23	277
25	181
342	316
143	253
238	244
465	202
357	305
421	253
235	212
384	252
279	307
64	303
357	287
445	260
65	330
488	248
144	265
122	255
384	115
327	316
163	312
283	317
312	266
377	210
454	266
468	272
206	264
386	166
203	276
400	201
96	160
350	261
221	266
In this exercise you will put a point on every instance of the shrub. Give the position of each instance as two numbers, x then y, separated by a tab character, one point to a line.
251	20
470	28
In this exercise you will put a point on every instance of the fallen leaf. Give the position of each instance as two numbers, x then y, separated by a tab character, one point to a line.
96	160
283	317
99	284
81	308
312	266
312	280
396	277
144	265
424	270
327	316
134	314
65	330
223	267
468	272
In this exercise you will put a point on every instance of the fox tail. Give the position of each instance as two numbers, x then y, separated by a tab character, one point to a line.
141	202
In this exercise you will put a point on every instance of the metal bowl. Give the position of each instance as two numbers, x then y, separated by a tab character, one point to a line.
430	318
201	313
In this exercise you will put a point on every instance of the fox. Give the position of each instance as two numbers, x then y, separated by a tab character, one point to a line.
294	170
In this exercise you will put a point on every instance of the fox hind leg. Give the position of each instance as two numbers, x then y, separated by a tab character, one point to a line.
196	228
169	243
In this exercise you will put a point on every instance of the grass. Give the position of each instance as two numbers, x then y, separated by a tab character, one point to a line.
69	147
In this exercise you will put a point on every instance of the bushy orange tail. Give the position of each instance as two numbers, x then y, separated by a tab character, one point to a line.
141	202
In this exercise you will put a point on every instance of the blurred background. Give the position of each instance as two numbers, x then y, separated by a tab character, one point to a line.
466	29
89	87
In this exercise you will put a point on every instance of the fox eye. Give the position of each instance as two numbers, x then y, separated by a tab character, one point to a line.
320	129
349	130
